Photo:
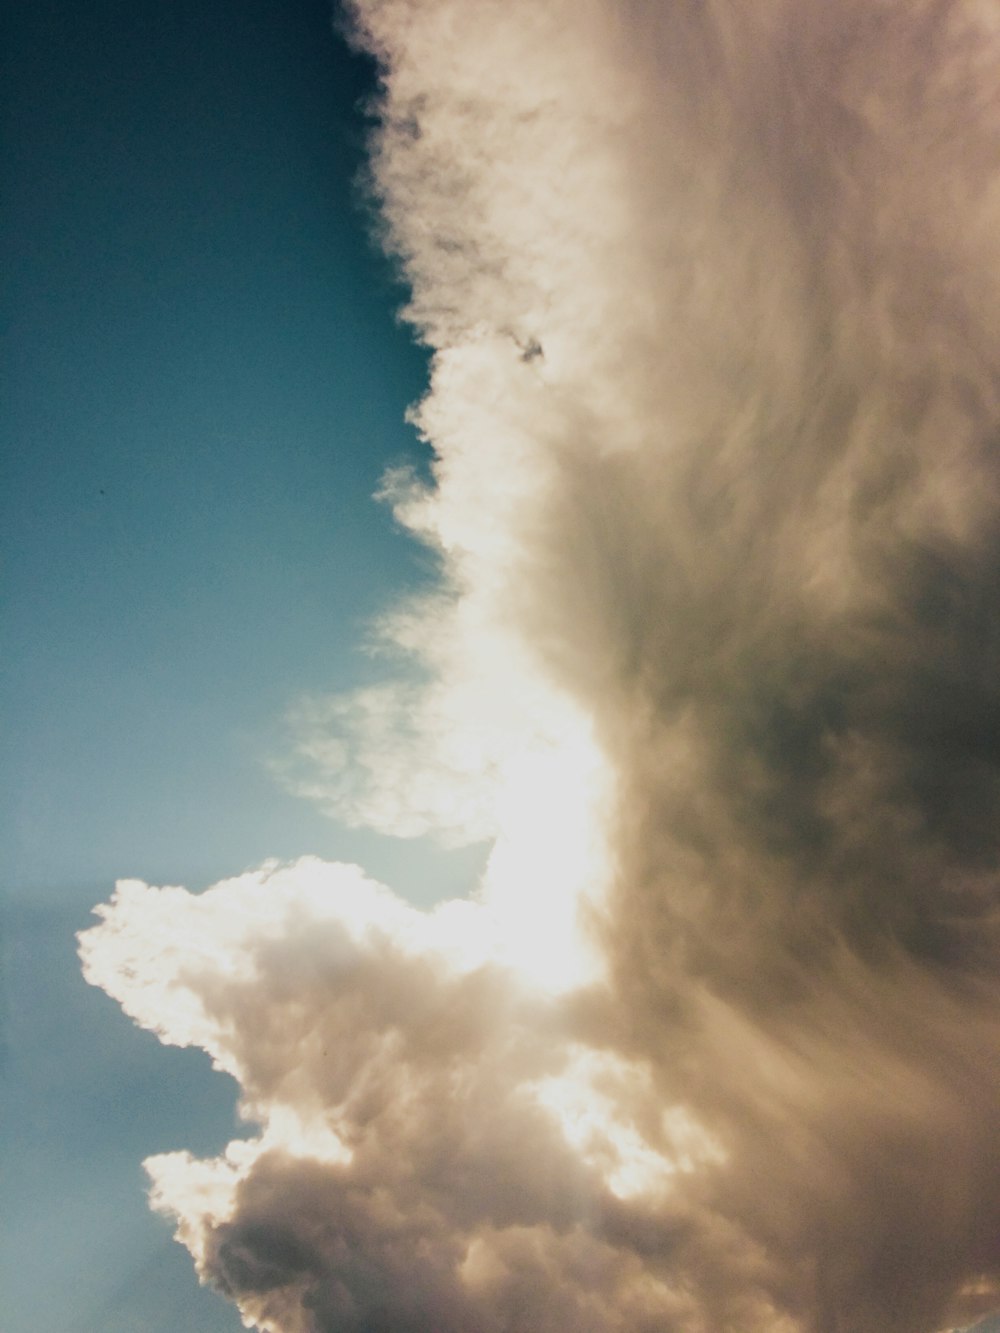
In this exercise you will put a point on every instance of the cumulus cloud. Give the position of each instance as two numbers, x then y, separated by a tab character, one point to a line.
714	663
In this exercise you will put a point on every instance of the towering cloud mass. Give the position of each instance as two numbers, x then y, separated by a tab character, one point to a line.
714	293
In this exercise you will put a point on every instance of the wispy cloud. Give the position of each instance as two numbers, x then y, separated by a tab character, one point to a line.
715	663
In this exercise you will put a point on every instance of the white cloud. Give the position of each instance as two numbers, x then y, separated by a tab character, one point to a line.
714	664
427	1103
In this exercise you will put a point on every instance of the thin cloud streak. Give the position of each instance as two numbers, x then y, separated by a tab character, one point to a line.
714	662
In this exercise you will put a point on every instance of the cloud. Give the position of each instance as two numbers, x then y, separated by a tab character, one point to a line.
413	1167
714	662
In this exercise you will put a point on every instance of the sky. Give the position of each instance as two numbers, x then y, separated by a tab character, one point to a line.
204	381
589	846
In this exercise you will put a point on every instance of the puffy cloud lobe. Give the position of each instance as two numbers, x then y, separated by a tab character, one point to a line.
713	293
412	1168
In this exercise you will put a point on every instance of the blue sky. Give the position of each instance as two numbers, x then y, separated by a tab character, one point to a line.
204	384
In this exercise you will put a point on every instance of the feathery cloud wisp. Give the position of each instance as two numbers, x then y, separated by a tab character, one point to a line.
714	295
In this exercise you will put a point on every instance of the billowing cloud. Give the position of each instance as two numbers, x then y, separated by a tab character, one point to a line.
714	663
